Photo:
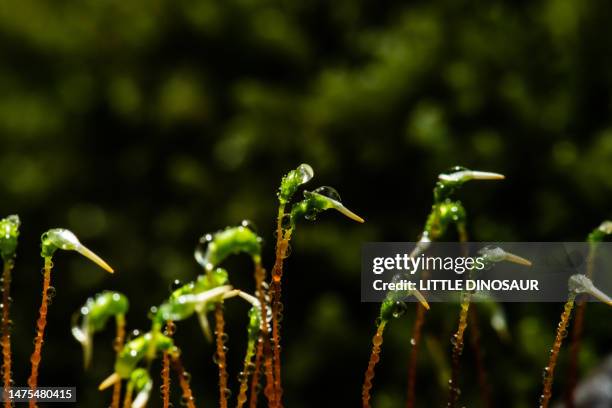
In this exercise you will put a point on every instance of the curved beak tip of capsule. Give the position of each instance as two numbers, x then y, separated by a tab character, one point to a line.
110	380
348	213
524	261
485	175
102	264
89	254
517	259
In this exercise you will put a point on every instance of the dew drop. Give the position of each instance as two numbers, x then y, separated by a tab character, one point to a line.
248	224
152	312
133	334
51	291
328	192
399	309
174	285
305	173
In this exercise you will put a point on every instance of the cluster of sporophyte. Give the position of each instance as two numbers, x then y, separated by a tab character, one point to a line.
208	292
51	241
207	295
447	211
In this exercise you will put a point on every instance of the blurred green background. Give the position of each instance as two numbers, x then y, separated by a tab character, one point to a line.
141	125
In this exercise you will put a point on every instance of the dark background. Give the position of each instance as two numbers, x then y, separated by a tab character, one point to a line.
141	125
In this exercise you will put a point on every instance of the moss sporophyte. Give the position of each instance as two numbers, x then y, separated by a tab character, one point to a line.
209	292
446	211
51	241
9	234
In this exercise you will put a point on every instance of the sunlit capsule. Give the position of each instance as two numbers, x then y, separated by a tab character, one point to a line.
460	174
9	233
493	254
606	227
60	238
321	199
579	283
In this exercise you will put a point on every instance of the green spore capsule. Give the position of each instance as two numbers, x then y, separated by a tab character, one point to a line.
317	201
141	383
94	315
135	350
9	234
60	238
394	305
455	177
293	180
579	284
492	254
600	233
212	249
193	297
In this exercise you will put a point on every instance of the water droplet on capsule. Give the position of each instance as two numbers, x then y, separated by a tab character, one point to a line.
399	309
329	192
132	335
248	224
305	172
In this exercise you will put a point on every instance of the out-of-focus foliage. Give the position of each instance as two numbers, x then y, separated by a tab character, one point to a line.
141	125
